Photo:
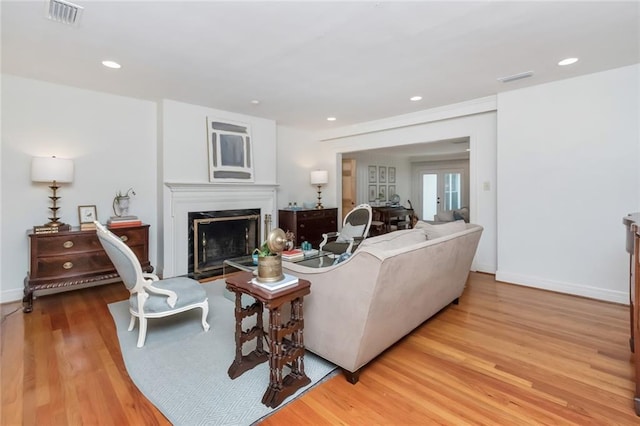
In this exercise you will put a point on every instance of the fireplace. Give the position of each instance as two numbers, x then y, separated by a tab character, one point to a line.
218	235
180	199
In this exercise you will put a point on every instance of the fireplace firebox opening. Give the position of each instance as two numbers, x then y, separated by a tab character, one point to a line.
218	235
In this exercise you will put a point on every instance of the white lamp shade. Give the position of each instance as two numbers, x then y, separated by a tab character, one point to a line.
49	169
319	177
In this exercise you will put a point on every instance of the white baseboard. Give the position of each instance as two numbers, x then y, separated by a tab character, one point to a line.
481	267
11	295
564	287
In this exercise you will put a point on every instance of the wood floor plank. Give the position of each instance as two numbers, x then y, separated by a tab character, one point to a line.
506	354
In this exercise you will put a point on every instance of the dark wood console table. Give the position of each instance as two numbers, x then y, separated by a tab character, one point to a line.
308	224
282	351
67	260
398	216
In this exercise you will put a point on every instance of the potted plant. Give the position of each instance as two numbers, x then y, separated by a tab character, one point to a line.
269	259
121	202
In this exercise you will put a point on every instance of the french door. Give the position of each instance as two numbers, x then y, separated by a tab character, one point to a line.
440	187
441	191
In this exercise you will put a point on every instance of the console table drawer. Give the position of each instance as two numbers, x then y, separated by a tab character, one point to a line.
52	267
50	245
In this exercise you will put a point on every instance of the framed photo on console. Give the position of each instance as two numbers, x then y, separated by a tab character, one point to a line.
87	214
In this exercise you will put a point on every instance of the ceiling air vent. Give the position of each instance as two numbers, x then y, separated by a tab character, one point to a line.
515	77
64	12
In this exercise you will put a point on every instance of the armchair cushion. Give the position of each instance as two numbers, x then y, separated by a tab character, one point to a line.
189	291
349	232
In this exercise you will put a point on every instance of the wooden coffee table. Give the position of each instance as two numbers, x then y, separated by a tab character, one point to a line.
283	351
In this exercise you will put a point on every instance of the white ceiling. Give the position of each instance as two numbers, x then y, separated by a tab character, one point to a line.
305	61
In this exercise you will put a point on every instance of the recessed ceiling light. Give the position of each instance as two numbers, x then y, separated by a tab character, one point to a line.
415	98
255	102
331	119
111	64
567	61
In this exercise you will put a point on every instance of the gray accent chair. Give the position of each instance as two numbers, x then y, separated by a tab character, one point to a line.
355	229
151	297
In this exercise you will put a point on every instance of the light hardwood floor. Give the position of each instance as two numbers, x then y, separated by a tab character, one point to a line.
505	355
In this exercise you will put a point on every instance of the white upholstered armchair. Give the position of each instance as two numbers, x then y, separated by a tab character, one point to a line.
151	297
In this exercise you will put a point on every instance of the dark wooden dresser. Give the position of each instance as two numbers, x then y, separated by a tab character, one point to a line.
69	259
308	224
632	222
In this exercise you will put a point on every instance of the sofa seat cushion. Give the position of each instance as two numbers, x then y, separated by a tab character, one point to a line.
433	231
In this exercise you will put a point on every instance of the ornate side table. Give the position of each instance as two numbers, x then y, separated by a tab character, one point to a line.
283	350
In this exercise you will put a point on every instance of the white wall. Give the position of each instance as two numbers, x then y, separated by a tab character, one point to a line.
567	174
298	153
184	143
112	140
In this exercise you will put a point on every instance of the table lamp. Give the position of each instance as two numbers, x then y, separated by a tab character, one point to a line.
319	178
54	170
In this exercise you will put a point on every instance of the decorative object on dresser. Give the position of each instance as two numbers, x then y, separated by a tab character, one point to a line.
121	202
319	178
86	217
123	221
52	170
308	224
68	260
151	297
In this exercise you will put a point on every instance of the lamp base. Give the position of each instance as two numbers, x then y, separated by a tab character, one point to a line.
319	204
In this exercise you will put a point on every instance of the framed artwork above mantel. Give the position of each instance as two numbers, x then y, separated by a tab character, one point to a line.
229	150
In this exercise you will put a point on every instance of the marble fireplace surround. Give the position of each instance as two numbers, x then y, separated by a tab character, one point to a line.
182	198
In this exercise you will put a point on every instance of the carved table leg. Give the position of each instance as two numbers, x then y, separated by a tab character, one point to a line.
285	354
242	363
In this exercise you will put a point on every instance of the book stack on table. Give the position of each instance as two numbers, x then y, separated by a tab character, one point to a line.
292	255
123	221
287	281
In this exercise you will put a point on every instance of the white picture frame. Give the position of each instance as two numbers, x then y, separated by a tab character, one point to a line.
392	175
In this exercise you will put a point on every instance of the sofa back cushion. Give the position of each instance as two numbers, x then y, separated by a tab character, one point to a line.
394	240
433	231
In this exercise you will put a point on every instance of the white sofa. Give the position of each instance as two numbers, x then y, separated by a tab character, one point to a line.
388	287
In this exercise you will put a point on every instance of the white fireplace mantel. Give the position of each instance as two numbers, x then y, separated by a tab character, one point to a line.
181	198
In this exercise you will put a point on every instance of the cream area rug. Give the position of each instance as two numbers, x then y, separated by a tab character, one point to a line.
182	370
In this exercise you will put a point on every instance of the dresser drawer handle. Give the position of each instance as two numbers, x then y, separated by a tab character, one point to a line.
67	244
124	238
67	265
